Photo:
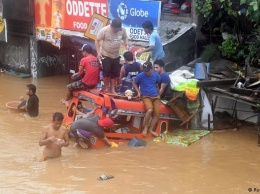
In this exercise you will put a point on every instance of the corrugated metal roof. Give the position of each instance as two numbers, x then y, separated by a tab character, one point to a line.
184	27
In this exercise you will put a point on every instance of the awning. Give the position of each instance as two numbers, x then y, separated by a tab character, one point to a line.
183	28
76	42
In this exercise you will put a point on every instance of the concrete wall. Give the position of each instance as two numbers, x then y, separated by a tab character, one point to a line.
51	60
16	54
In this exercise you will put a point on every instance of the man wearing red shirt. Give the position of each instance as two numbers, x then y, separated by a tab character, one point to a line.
90	65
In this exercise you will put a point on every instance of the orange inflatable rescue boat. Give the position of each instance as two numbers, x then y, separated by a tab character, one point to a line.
128	115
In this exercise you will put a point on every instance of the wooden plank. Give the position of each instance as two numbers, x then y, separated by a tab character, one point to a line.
175	97
246	92
214	83
216	76
180	109
235	96
254	84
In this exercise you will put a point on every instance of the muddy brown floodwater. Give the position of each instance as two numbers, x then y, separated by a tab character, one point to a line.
220	163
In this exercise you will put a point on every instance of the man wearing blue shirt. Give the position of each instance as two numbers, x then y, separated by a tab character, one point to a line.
155	45
165	80
148	81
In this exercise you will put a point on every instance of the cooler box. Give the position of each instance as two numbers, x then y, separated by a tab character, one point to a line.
175	10
169	6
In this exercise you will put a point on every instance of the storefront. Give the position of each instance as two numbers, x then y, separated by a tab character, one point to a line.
43	36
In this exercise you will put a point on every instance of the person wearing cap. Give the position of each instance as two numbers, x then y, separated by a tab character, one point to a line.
90	124
108	41
148	81
90	66
155	45
165	80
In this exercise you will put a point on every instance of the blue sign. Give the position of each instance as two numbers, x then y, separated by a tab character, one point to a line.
133	13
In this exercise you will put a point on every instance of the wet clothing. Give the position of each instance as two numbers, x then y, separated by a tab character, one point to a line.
80	133
111	67
164	78
79	85
92	70
152	103
110	50
158	52
132	69
111	41
149	93
91	66
89	124
148	84
33	105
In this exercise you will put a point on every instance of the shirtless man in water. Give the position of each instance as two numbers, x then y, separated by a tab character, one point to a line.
53	137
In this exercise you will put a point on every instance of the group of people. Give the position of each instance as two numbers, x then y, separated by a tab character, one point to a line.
53	136
107	43
151	86
149	80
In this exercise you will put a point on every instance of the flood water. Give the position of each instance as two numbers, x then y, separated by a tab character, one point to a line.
224	162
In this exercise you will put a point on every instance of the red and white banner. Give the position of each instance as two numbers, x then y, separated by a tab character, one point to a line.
78	13
51	16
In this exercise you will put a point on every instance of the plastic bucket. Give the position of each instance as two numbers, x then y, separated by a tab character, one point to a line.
135	142
199	70
13	106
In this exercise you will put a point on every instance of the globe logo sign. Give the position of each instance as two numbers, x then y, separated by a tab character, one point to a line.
122	11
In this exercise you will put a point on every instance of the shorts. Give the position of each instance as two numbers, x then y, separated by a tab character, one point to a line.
111	67
79	85
152	103
80	133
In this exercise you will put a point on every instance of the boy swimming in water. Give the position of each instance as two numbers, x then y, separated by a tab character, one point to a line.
54	137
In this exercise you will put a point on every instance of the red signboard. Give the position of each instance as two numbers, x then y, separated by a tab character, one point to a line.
68	14
52	16
78	13
43	13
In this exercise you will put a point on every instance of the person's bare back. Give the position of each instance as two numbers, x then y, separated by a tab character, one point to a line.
53	137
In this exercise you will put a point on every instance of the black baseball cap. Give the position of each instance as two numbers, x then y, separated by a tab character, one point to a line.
86	48
147	66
